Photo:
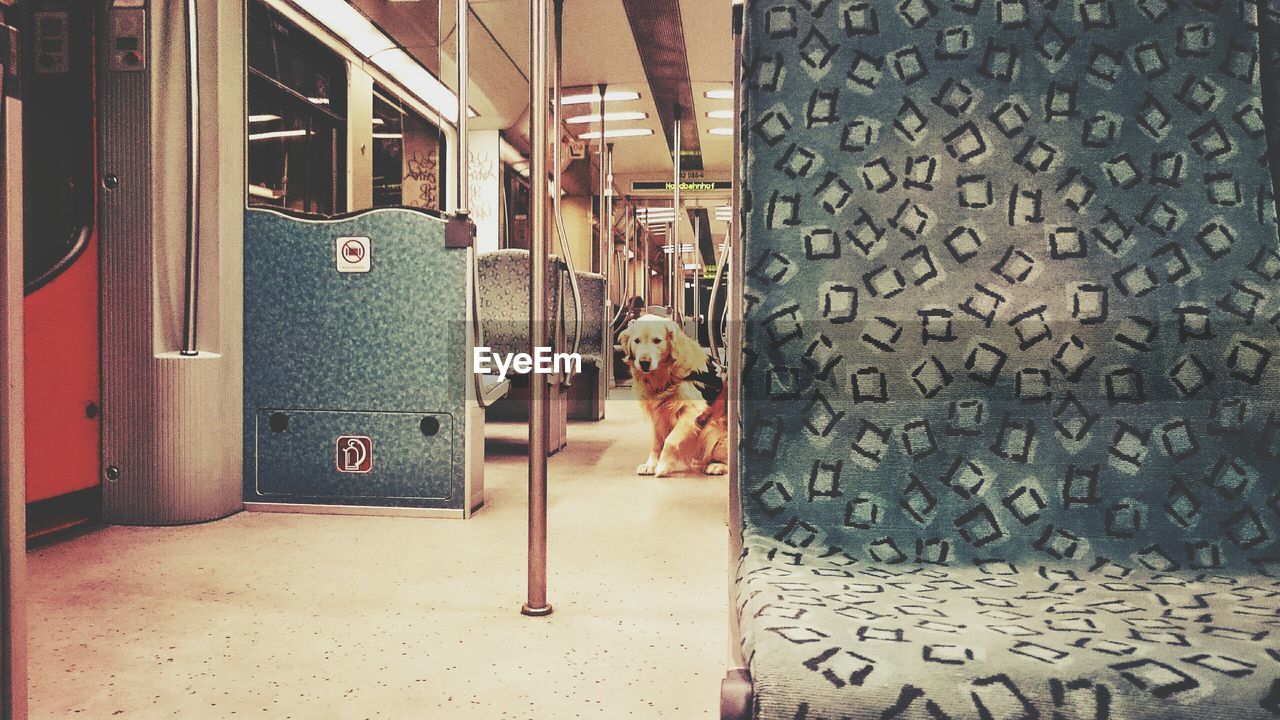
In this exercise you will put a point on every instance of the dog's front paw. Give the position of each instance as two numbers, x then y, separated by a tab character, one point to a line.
647	468
716	468
664	470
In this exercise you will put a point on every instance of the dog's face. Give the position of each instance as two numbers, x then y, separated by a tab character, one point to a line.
653	342
647	342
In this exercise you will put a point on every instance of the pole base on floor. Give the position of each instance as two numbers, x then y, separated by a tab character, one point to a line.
543	611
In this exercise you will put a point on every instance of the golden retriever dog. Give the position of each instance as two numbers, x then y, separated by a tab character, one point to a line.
686	432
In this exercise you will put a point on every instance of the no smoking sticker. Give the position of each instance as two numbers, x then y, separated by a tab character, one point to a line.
354	254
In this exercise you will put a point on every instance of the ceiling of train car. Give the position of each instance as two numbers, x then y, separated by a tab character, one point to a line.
601	46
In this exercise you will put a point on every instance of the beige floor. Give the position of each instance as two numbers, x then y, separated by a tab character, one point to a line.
313	617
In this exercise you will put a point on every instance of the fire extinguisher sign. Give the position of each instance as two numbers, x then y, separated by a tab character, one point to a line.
354	454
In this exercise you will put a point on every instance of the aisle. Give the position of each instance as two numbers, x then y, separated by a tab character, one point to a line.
312	617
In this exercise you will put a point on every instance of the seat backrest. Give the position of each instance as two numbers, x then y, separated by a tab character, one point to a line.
595	326
1011	281
503	295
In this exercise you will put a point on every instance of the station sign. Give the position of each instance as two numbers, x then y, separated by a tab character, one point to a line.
685	185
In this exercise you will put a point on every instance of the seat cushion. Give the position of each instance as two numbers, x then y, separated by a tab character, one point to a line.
828	637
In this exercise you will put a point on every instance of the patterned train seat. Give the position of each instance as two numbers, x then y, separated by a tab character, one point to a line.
595	326
503	277
1011	446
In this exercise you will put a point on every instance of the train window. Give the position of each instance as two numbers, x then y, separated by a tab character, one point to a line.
297	118
408	156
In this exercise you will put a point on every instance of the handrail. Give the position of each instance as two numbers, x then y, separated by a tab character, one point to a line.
556	205
624	306
463	175
715	334
463	156
191	297
82	235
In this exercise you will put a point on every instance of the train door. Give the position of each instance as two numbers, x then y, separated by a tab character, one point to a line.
62	378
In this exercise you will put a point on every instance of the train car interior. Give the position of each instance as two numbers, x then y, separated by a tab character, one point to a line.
751	359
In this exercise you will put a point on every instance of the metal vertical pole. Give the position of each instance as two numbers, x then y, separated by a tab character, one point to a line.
463	158
697	276
536	605
676	254
601	236
13	533
672	261
733	354
608	214
192	271
642	244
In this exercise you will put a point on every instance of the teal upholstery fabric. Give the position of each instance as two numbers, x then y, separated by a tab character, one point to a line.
595	327
504	299
834	637
1011	297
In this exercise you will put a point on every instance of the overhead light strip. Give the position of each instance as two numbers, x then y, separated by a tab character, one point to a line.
278	134
616	133
610	96
621	116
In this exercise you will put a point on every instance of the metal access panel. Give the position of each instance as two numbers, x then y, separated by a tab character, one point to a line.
350	456
356	378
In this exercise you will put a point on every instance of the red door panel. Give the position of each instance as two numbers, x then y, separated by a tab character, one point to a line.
62	381
62	377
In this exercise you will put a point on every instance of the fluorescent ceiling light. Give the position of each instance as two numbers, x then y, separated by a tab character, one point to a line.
594	97
318	100
263	118
379	121
349	24
720	114
668	249
277	134
719	94
419	81
388	136
619	133
692	266
261	191
722	131
620	116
